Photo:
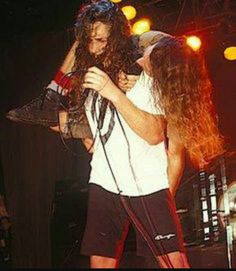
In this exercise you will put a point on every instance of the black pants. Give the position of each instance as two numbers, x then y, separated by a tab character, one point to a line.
107	220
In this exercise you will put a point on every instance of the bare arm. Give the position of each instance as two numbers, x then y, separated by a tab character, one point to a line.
147	126
68	63
176	161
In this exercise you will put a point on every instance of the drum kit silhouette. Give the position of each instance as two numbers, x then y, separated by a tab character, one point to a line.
206	204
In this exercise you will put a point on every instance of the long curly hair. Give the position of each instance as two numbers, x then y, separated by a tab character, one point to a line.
181	85
120	51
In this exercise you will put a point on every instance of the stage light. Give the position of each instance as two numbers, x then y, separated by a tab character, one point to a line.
230	53
141	26
129	11
116	1
194	42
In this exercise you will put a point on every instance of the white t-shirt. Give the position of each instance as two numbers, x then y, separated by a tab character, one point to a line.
139	169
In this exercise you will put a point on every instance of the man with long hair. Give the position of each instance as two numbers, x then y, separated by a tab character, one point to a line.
129	185
177	83
175	77
181	85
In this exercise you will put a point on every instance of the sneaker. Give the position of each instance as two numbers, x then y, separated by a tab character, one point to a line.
42	111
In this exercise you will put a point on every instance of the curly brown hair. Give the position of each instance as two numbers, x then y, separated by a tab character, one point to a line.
181	85
120	51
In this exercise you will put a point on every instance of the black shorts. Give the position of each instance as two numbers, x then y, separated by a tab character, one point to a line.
107	223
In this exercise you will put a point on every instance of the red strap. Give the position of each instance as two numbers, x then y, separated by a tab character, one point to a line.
62	80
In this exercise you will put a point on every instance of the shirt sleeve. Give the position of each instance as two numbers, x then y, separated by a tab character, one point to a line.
141	95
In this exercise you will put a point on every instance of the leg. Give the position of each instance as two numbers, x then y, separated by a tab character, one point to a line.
160	219
176	260
102	262
106	229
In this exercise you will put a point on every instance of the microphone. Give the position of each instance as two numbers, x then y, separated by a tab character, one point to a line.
134	69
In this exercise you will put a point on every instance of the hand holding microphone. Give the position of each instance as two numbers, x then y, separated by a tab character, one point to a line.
127	80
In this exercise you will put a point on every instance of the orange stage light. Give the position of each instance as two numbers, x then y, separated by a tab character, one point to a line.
116	1
141	26
129	11
230	53
194	42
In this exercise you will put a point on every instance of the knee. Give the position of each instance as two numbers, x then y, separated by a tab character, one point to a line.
102	262
174	260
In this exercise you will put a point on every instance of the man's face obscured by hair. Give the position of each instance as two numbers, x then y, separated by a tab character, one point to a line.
99	35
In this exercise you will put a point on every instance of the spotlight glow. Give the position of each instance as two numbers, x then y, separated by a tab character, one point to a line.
194	42
129	11
116	1
230	53
141	26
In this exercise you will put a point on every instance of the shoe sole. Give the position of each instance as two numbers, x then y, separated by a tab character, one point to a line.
26	121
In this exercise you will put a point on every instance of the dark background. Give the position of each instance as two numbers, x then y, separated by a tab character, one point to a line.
35	36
